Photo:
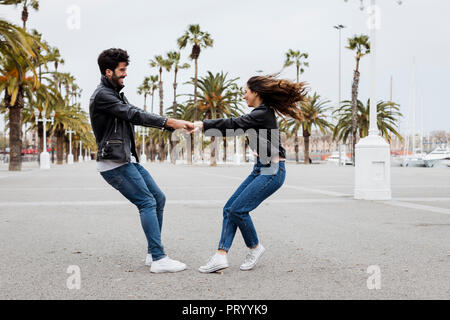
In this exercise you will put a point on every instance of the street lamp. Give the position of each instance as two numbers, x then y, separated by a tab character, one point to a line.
372	153
339	28
70	155
44	156
80	155
144	133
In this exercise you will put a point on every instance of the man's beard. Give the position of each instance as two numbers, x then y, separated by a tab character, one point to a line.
115	81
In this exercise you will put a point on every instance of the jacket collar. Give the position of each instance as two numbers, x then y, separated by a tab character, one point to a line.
261	106
107	83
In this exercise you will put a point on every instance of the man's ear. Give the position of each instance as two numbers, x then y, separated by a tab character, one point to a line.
108	73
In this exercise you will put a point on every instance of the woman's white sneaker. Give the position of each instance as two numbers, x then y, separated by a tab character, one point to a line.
215	263
167	265
148	260
252	258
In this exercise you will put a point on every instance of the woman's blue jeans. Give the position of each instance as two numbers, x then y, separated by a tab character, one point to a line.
135	183
259	185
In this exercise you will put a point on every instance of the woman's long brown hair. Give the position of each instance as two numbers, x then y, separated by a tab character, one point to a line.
282	95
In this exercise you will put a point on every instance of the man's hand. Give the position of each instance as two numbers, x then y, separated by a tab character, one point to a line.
180	124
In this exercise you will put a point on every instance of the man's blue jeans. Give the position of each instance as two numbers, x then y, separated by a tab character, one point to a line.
135	183
259	185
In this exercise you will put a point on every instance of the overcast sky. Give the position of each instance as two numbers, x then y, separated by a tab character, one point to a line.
254	35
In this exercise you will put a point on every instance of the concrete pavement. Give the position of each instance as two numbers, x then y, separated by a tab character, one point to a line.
320	242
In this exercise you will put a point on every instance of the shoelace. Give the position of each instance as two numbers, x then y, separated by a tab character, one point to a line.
249	258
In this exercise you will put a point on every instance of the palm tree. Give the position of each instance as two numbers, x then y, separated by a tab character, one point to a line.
14	81
296	57
219	97
145	89
314	114
148	87
25	5
161	63
387	120
361	45
174	57
199	39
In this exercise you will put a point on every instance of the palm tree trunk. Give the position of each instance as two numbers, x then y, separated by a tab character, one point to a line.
175	94
174	143
40	129
306	136
245	149
59	133
354	108
296	148
225	149
15	131
191	149
195	90
161	107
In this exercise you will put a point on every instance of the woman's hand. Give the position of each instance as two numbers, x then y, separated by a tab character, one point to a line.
198	125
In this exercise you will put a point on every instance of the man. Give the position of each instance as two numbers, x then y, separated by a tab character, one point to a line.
113	119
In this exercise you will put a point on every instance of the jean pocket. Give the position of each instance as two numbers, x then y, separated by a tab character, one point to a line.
114	180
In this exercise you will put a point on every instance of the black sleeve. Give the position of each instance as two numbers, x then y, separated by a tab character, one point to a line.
253	120
107	102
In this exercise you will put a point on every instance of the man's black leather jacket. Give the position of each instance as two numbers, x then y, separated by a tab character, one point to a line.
261	128
113	119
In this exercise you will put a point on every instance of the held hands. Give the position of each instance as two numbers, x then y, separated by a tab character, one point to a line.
180	124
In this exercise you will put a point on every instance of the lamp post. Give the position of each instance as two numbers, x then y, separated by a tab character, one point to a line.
144	132
372	153
80	155
44	156
339	28
70	155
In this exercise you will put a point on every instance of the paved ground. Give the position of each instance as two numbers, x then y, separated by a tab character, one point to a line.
320	242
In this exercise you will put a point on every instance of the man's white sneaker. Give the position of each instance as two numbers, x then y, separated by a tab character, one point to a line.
148	260
167	265
215	263
252	258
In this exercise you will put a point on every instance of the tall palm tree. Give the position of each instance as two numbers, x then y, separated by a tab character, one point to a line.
15	80
174	57
387	119
198	39
219	97
26	4
145	89
161	63
361	45
314	115
297	58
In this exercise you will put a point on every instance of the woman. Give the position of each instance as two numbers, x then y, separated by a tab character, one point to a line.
267	95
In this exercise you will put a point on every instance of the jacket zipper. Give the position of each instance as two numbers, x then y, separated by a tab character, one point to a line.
115	126
113	142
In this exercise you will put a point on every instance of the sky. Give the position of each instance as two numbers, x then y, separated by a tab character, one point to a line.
254	35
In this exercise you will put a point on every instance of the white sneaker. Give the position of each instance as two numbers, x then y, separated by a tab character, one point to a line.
215	263
252	258
148	260
167	265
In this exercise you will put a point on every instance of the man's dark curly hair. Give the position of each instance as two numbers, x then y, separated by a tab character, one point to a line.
110	58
